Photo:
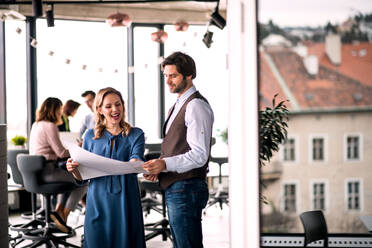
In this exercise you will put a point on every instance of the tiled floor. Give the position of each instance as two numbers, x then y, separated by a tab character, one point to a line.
215	228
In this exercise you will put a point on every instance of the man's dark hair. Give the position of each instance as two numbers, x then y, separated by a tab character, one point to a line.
88	92
183	62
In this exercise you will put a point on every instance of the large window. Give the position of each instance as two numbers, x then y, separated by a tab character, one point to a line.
211	79
317	55
16	94
75	56
146	86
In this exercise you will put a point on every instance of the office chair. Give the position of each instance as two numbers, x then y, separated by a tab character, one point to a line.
148	197
31	167
148	193
220	196
160	227
315	227
35	222
17	178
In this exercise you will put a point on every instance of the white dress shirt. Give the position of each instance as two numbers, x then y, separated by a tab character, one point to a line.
199	122
87	123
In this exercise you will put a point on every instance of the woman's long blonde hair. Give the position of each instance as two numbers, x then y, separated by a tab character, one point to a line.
100	119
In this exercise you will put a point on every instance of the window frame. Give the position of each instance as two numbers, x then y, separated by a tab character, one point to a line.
297	196
311	148
361	195
296	152
360	143
326	194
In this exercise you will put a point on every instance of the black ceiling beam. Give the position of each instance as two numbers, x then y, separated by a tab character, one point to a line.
105	2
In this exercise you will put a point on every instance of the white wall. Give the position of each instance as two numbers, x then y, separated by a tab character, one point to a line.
243	128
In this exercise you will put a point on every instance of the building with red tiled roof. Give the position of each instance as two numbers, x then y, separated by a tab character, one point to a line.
326	162
329	89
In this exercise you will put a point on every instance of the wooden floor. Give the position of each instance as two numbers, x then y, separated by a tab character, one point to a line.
215	228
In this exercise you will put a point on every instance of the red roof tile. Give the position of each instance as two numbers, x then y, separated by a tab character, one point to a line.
329	89
269	86
352	64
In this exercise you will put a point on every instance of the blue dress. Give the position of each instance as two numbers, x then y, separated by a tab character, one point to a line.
113	210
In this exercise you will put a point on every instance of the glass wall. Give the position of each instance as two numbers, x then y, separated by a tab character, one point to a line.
146	77
211	73
75	56
318	55
211	79
16	91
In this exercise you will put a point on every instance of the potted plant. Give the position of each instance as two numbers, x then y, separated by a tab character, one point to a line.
19	141
272	129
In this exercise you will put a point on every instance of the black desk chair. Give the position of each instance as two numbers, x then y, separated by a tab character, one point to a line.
149	197
17	178
148	193
220	196
315	227
160	227
35	222
31	167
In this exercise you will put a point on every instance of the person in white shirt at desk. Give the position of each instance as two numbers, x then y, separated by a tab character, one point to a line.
88	122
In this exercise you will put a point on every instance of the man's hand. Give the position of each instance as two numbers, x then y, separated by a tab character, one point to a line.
154	166
152	178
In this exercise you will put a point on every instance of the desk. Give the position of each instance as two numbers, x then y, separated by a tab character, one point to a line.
18	198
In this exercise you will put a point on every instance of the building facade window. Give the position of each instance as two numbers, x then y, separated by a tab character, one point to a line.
353	195
319	197
352	147
289	150
318	149
290	198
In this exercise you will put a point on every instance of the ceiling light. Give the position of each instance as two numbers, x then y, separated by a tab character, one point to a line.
217	19
181	26
159	36
208	38
118	20
50	17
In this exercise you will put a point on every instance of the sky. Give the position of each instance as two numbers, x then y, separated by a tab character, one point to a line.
310	12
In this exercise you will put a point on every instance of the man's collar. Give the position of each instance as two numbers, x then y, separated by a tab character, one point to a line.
187	93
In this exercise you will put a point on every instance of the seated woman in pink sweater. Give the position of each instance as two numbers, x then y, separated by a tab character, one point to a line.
44	140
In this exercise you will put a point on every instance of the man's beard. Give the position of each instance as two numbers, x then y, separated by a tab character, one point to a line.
180	87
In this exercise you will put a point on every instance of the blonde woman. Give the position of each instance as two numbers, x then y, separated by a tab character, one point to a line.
113	211
44	140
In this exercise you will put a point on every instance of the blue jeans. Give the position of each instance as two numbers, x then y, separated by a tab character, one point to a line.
185	201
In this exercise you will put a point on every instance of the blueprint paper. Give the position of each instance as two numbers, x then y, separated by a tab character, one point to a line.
92	165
